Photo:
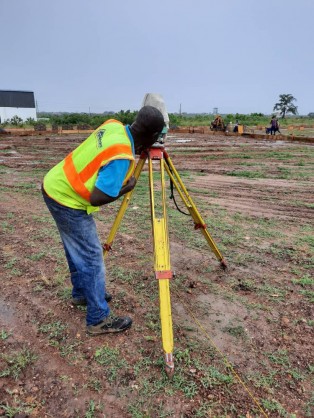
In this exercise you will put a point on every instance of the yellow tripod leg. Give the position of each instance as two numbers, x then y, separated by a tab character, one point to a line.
162	267
123	207
187	200
163	274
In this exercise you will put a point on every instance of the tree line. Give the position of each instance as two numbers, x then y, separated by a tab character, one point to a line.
285	106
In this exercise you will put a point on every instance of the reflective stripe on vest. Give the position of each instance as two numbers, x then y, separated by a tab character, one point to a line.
77	179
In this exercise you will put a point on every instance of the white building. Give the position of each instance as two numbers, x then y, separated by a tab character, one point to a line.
17	103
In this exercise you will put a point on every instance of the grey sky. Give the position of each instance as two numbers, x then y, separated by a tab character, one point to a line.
100	55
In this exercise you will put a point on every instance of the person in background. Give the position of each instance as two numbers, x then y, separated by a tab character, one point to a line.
274	126
96	173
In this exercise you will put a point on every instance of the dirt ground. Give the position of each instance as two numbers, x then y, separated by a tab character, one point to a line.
243	337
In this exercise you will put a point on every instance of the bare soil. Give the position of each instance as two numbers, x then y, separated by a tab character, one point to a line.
243	336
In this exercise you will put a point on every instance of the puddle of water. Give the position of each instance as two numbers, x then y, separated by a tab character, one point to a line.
183	140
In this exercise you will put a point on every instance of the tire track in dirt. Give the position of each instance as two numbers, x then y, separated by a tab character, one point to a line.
252	197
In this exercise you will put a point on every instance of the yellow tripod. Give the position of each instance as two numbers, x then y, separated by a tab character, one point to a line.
162	266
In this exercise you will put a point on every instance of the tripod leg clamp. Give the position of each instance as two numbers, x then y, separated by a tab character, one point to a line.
199	226
165	274
106	247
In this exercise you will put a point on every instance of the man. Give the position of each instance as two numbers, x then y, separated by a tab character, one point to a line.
96	173
274	126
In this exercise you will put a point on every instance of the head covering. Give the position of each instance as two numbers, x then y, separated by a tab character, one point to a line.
149	121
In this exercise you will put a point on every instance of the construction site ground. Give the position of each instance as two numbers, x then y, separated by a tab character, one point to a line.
243	336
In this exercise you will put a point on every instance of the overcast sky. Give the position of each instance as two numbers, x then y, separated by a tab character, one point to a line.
101	55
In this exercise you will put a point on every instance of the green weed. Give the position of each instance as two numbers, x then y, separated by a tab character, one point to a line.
38	256
65	293
142	365
246	174
237	331
122	274
70	350
4	334
308	239
90	413
203	411
306	280
11	263
38	288
274	406
273	292
20	410
53	330
309	294
309	407
112	361
280	357
17	362
296	374
7	227
280	155
266	381
95	384
213	377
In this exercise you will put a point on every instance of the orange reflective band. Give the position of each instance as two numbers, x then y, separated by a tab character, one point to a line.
74	178
108	153
77	180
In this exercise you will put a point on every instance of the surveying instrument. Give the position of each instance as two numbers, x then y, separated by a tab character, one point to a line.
162	265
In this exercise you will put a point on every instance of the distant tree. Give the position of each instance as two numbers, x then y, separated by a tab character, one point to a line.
126	117
285	105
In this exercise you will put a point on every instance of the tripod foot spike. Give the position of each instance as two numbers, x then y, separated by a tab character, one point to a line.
169	366
223	264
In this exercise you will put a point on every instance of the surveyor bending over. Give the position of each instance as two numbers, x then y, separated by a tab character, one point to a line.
97	172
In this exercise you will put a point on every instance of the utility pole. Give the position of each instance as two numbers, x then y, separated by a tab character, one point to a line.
180	110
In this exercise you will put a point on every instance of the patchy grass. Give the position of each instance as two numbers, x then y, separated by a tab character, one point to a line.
257	312
17	362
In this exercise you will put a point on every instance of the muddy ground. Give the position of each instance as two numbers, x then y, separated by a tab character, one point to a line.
243	337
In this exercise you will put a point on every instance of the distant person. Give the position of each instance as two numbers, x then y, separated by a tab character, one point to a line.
96	173
274	126
236	126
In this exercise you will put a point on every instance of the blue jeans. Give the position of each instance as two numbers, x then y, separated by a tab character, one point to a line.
84	254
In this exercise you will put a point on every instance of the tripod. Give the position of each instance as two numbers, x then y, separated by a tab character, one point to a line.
162	266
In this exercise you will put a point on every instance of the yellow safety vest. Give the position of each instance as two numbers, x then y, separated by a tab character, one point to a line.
71	182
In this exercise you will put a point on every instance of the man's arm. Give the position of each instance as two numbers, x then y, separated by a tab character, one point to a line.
99	198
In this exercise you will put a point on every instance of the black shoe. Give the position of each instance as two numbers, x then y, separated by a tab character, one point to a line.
82	301
108	297
109	325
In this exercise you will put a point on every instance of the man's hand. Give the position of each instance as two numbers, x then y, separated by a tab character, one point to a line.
128	187
99	198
